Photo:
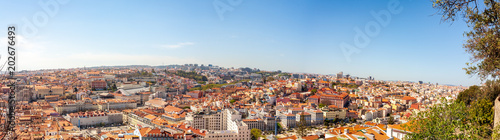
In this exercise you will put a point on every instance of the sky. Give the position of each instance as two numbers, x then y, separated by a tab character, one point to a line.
388	40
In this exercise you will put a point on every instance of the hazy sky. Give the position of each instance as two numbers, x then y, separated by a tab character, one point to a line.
287	35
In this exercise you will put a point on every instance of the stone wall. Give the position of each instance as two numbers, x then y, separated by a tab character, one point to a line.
497	111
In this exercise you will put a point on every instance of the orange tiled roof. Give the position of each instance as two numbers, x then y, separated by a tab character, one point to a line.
408	98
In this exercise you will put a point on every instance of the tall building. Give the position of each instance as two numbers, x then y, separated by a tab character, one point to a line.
270	122
316	117
288	121
212	120
225	125
207	120
340	74
306	116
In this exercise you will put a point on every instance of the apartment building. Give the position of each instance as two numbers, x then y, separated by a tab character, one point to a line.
98	85
69	106
95	118
236	129
316	117
208	120
255	123
306	116
223	125
195	94
270	123
337	100
339	113
116	104
42	91
288	120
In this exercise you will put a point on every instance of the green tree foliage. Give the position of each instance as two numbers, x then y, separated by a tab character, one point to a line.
190	75
113	87
471	116
496	133
302	126
268	73
391	120
353	120
313	91
480	102
454	120
210	86
332	123
256	133
321	105
101	125
327	123
353	86
270	79
483	40
473	113
280	128
232	101
284	74
448	120
69	96
469	95
491	90
481	115
335	120
304	87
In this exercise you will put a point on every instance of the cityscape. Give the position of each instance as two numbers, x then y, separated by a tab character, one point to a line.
250	70
195	101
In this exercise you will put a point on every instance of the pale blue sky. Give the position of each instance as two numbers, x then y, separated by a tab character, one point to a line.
287	35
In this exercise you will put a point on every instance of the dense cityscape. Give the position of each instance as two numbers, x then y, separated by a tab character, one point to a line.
250	70
194	101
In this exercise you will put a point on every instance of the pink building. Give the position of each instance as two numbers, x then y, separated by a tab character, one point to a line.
98	84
